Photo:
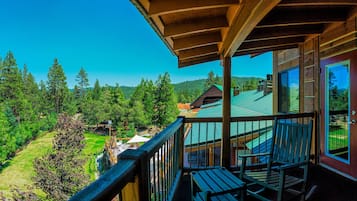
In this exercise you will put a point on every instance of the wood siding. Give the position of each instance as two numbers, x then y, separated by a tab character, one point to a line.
339	39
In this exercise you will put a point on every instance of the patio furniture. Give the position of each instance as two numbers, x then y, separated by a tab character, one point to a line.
216	184
290	150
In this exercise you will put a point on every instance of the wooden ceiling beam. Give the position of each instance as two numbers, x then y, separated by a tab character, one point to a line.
283	32
250	14
161	7
196	41
294	3
195	26
286	17
197	60
265	49
270	43
197	52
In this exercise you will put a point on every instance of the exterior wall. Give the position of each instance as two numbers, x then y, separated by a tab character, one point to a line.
340	39
282	60
213	92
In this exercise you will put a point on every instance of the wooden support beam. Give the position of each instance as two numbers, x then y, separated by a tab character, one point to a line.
197	41
226	120
197	60
249	15
292	16
270	43
160	7
294	3
263	50
197	52
283	32
195	26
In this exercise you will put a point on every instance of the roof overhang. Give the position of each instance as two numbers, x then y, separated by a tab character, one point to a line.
198	31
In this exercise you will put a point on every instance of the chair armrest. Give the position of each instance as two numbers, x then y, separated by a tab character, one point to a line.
244	161
253	155
290	166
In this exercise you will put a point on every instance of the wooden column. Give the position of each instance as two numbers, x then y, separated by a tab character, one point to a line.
226	114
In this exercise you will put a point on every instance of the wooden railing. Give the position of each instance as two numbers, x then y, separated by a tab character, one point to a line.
248	135
153	171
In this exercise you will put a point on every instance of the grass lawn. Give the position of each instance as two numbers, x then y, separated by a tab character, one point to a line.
20	170
338	138
94	146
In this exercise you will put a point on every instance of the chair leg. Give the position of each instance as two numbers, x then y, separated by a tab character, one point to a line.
281	185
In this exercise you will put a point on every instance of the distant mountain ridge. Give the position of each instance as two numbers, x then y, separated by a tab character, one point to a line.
193	86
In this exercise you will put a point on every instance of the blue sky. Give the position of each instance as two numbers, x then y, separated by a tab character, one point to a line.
110	39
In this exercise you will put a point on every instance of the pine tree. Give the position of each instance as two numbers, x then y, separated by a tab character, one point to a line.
119	105
5	137
11	85
57	87
31	94
145	94
96	91
44	106
83	83
165	102
211	80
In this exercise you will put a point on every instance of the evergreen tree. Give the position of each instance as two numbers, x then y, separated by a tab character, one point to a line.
96	91
11	85
32	96
211	80
57	87
80	91
137	115
44	106
165	102
5	137
60	173
145	94
119	105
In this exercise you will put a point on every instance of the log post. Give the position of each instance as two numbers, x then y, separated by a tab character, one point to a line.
226	114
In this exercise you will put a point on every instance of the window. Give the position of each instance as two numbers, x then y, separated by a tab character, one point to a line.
288	90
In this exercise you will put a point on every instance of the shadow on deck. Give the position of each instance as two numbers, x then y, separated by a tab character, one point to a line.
329	187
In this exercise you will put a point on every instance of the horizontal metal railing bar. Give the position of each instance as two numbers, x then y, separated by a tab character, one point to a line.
250	118
210	142
202	119
109	184
157	141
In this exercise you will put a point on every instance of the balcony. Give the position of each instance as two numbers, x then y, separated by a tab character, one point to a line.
159	170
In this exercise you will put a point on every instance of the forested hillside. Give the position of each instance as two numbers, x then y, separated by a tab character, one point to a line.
188	91
28	108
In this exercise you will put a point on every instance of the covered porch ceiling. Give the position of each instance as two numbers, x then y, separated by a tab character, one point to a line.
198	31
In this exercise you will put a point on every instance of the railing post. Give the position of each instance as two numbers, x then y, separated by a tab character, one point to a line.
181	143
226	126
142	177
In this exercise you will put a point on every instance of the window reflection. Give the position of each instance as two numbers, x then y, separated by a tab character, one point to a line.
289	90
337	84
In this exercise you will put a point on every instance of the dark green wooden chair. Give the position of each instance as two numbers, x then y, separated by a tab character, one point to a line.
291	144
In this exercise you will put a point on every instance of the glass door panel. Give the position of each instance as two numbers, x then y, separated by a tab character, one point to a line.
337	107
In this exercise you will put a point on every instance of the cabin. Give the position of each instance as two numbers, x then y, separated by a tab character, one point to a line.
314	45
211	95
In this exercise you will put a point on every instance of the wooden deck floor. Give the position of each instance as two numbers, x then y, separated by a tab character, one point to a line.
329	187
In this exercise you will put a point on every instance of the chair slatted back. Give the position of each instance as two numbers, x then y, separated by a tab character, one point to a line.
292	142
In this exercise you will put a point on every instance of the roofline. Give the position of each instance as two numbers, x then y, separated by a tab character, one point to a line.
152	24
213	85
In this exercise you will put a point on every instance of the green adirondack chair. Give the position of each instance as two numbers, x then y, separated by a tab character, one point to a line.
290	149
